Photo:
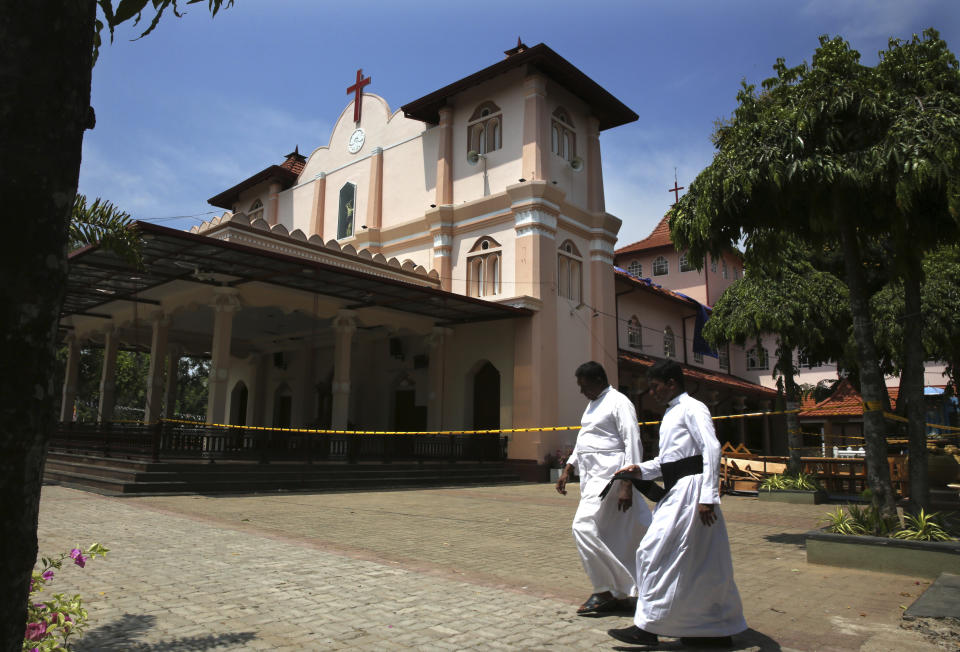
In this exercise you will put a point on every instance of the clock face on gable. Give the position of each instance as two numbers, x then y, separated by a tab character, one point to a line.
356	141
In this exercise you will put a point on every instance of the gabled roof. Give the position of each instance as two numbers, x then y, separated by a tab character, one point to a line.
285	174
659	237
714	378
844	402
646	285
610	111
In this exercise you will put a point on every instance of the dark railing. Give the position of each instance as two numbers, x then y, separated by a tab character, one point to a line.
178	441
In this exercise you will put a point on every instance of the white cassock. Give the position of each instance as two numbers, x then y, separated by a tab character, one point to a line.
686	585
606	538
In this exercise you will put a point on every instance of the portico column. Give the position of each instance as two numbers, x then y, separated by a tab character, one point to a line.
108	377
225	304
158	354
436	341
170	387
70	379
344	325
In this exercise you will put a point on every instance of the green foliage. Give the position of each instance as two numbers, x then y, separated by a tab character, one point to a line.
103	223
839	522
922	527
800	481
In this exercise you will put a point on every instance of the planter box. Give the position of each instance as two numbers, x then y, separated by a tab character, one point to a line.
914	558
796	496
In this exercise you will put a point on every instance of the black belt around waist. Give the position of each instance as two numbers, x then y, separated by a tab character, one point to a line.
671	472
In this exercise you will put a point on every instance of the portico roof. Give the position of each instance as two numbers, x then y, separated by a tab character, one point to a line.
719	380
98	277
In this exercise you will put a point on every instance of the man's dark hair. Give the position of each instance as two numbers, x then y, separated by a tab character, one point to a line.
667	370
592	372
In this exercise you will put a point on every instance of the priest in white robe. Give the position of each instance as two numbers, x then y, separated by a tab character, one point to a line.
686	586
606	532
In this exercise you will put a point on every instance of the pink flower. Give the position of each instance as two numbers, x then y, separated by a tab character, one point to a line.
48	575
77	557
36	631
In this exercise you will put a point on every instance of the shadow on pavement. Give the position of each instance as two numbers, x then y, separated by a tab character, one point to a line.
120	636
751	639
799	540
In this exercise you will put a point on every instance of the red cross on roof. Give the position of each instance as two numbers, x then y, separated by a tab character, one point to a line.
357	90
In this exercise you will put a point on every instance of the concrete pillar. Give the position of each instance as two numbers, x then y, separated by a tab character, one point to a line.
108	377
273	203
442	261
374	217
174	351
344	326
445	157
437	345
316	209
603	320
535	127
70	379
765	407
158	355
595	200
226	302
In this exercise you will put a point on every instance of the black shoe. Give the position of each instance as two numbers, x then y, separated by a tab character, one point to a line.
634	636
707	641
597	605
627	605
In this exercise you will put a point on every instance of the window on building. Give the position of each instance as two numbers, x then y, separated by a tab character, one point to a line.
669	344
634	333
758	358
698	357
563	137
569	271
723	357
723	268
736	273
685	265
660	266
484	268
348	204
713	264
635	269
485	128
256	210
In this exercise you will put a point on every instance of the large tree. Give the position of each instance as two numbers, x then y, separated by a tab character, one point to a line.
783	295
46	65
838	151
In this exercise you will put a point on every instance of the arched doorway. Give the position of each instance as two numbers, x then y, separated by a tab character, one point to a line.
282	406
407	415
486	398
238	404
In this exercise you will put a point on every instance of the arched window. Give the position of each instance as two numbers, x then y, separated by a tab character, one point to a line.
685	265
563	137
483	268
713	264
723	268
634	333
484	128
758	358
635	269
736	273
345	216
256	210
660	266
669	344
569	271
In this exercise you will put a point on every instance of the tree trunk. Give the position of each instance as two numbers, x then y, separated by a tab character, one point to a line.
910	401
872	387
794	438
45	69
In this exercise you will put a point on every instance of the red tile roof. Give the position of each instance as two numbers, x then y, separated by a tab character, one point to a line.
704	375
659	237
844	402
650	286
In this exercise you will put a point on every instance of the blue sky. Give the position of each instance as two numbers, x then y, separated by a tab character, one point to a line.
201	104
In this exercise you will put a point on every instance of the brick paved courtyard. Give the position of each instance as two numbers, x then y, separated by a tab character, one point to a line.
434	569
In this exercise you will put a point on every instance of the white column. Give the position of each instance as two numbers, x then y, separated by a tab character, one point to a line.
108	377
174	352
344	325
225	304
436	341
70	379
158	355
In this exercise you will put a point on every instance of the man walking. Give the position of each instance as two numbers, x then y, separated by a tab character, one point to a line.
685	573
606	539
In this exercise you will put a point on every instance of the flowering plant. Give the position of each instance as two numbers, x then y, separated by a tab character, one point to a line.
50	623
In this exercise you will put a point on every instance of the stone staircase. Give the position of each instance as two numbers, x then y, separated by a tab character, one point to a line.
128	477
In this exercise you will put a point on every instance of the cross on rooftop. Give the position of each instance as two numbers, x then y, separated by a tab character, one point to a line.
357	90
676	191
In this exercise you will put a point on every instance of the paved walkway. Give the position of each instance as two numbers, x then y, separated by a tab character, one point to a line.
434	569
